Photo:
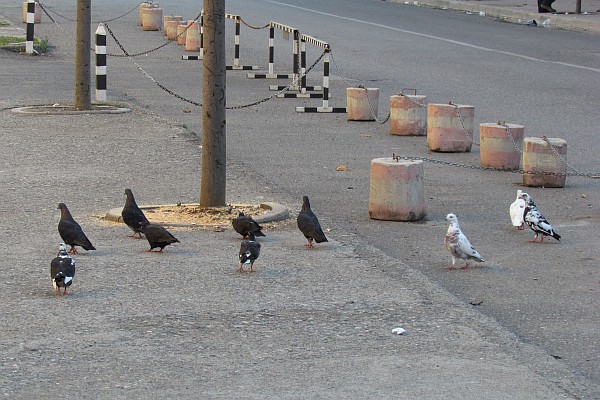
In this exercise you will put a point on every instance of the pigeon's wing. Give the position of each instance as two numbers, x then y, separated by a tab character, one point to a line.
71	233
517	209
465	249
308	224
249	251
133	216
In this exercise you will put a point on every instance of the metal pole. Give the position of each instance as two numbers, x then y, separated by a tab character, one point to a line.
578	7
101	63
30	26
82	55
213	181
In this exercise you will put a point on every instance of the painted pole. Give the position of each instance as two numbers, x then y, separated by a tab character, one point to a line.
101	63
30	26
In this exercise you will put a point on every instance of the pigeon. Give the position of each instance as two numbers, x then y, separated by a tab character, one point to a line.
132	215
70	231
517	211
157	236
309	224
458	245
536	221
244	224
62	269
249	251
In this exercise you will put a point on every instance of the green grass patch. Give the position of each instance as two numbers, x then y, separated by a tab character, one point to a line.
41	45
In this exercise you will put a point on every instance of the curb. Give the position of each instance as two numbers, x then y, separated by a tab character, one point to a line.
556	21
275	212
57	109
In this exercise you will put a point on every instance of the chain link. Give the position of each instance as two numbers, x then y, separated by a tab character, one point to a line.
418	104
93	22
462	124
510	136
252	26
558	155
591	175
371	108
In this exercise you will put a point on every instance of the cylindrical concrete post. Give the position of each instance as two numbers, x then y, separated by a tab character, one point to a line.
37	13
500	144
408	115
396	190
450	127
171	27
181	32
363	103
152	19
539	159
143	6
192	37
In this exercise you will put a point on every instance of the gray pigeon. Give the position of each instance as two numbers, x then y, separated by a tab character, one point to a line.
536	221
458	245
157	236
132	215
62	269
249	252
245	224
70	231
309	224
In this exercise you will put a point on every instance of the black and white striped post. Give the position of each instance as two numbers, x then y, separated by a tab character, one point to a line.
286	32
303	88
325	108
236	51
30	26
101	63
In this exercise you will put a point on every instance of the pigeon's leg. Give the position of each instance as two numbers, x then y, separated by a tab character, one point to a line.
521	227
139	235
251	270
241	268
542	241
65	291
466	266
451	267
309	245
149	251
534	238
73	250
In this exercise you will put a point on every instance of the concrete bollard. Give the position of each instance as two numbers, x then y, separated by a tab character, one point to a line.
396	190
152	19
144	6
446	132
539	157
362	103
408	115
37	13
192	37
171	27
497	149
181	32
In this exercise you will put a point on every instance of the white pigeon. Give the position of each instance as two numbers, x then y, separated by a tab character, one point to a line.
517	211
536	221
458	245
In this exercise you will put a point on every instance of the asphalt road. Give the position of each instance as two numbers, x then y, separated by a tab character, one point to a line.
545	80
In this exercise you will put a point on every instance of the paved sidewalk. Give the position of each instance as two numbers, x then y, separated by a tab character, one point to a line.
522	11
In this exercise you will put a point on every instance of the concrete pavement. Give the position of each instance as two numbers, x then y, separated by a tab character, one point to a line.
308	324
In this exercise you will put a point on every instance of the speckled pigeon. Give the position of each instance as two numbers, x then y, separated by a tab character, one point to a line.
132	215
309	224
517	211
157	236
245	224
62	269
536	221
70	231
249	251
458	245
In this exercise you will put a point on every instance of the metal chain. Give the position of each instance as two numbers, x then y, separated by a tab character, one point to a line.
558	155
93	22
55	23
253	27
510	136
168	42
148	75
418	104
371	108
592	175
462	124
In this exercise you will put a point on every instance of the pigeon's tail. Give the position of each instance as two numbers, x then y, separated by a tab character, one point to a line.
259	233
88	246
321	239
556	236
